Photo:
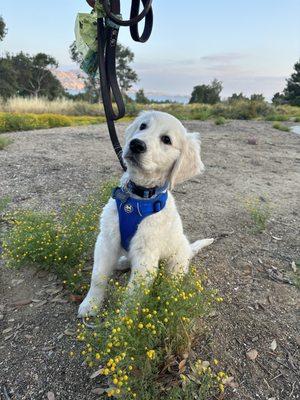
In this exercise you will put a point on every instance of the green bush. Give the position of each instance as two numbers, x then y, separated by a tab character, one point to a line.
277	117
54	120
281	127
10	122
259	211
61	242
242	109
143	351
4	201
220	121
4	142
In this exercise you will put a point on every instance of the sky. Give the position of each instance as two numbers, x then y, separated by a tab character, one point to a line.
250	45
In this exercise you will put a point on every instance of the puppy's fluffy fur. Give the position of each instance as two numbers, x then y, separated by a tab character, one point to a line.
159	236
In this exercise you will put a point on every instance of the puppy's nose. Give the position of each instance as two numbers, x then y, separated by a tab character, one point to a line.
137	146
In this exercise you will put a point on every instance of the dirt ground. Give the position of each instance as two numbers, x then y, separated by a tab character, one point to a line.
252	271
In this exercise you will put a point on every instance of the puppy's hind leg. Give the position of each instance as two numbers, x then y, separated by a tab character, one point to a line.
200	244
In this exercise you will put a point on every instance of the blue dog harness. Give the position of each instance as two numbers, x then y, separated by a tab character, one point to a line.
132	210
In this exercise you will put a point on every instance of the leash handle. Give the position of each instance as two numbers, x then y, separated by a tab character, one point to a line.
107	40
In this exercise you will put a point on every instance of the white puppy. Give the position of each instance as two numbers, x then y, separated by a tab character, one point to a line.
141	222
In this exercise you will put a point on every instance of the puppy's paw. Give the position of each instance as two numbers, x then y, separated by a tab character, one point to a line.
123	264
88	308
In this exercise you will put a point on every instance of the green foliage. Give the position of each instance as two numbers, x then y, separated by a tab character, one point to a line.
3	29
60	242
207	94
236	110
125	74
236	97
281	127
10	122
4	142
242	109
140	97
277	117
292	90
138	348
26	75
4	201
291	93
278	99
220	121
259	211
257	97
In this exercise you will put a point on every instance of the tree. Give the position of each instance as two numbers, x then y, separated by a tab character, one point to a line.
141	98
291	93
278	99
207	94
8	79
236	97
257	97
37	79
292	90
3	29
26	75
125	74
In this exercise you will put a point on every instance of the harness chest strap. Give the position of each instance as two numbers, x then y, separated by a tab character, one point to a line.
132	211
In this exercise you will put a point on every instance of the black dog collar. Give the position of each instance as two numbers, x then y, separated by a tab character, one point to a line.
143	192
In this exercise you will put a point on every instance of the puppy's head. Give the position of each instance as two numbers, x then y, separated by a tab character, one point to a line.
158	149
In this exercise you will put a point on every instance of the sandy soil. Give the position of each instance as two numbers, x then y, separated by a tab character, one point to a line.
43	168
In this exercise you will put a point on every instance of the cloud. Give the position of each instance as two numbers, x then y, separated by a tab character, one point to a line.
223	58
180	79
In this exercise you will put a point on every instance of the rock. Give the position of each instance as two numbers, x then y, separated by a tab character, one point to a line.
252	354
252	140
50	396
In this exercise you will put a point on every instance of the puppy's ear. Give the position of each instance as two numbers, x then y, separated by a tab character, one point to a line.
189	163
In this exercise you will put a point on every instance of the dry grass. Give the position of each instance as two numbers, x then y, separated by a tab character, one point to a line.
43	106
238	110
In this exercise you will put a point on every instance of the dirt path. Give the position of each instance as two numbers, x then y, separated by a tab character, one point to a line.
42	168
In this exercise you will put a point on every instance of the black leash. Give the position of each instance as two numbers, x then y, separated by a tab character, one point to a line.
108	30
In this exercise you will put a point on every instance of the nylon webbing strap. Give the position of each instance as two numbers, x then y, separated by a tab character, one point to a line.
108	30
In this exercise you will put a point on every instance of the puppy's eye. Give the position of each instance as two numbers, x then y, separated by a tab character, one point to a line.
166	139
143	126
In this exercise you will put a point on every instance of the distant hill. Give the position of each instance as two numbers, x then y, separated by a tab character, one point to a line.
72	80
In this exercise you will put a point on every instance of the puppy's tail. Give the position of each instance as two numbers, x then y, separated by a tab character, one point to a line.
199	244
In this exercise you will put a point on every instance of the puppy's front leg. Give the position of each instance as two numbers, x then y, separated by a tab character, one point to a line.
106	254
144	269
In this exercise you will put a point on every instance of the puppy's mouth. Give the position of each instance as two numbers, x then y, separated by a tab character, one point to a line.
132	158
